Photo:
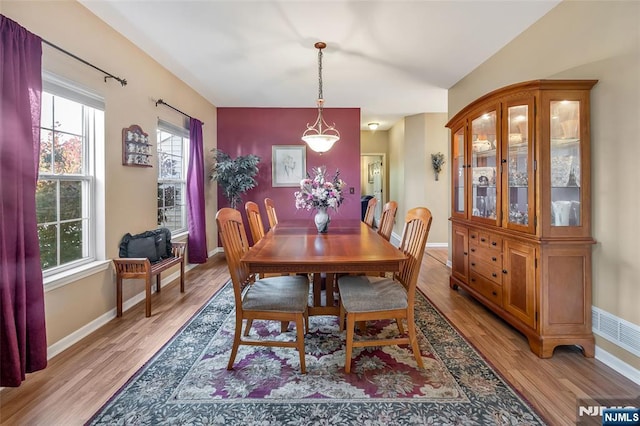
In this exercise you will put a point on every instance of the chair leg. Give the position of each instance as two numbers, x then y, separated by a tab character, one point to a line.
236	341
158	283
300	341
341	317
400	326
284	326
350	326
248	327
413	340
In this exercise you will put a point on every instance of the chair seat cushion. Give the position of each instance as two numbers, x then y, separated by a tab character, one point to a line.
282	294
368	294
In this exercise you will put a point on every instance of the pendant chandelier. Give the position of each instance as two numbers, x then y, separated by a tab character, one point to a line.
320	136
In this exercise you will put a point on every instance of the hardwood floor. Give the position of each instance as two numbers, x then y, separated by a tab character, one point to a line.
81	379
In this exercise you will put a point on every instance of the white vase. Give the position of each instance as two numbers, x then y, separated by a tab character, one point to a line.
322	220
561	212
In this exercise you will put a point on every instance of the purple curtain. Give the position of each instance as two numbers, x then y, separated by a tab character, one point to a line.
23	341
195	196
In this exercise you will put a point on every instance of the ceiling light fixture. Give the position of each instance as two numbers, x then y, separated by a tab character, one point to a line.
320	136
373	126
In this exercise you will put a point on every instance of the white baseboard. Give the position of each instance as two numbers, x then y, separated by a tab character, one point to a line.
438	245
617	364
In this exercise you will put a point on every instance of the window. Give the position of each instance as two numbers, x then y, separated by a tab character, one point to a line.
172	176
71	127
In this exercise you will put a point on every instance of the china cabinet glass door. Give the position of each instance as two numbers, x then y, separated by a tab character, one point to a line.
459	176
565	164
518	166
484	142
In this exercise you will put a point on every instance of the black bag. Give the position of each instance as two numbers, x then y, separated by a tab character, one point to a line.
154	245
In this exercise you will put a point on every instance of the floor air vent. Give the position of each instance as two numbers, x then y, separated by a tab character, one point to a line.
621	332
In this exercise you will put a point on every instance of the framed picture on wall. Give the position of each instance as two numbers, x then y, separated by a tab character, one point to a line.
288	165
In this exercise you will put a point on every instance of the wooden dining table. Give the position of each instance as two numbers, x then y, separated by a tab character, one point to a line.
350	246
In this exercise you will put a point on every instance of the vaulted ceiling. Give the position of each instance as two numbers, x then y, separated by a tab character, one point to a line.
391	58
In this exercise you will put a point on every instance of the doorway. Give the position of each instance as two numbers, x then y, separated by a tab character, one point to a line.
372	168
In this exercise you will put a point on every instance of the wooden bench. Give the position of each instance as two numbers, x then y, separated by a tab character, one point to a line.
142	268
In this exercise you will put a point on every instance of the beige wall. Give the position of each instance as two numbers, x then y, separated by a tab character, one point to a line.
130	192
437	192
413	184
374	142
396	170
590	40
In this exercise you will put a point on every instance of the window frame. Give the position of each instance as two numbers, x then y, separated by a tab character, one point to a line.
183	133
93	130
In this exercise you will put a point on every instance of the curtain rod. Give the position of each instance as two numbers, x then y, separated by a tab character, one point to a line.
161	102
122	81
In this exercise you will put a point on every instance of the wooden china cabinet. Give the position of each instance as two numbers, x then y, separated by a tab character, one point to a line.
521	209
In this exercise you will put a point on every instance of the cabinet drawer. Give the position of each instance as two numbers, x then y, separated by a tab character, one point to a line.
495	241
491	271
485	239
491	256
474	239
488	289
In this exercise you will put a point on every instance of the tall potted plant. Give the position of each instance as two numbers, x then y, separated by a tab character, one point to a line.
235	176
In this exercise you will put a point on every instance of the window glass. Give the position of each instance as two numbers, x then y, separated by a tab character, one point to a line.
66	185
172	180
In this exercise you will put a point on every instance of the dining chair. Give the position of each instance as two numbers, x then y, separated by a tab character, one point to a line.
379	298
255	221
281	298
270	206
387	218
369	215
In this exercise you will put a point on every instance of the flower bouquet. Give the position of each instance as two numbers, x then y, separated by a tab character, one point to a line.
319	193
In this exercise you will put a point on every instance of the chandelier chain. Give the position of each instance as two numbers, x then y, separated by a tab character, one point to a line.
320	74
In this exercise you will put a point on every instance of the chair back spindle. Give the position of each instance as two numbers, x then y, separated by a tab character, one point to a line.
413	243
236	244
387	218
255	221
369	214
270	206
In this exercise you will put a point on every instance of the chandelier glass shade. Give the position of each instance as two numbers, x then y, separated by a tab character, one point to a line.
320	136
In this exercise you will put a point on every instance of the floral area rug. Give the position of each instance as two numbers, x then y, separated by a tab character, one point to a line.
187	381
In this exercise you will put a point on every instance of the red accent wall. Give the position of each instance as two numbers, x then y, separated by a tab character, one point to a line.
243	131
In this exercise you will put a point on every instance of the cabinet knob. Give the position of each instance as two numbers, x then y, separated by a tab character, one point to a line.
495	259
494	293
504	160
494	275
473	263
464	252
483	239
494	243
473	250
504	271
473	280
473	237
